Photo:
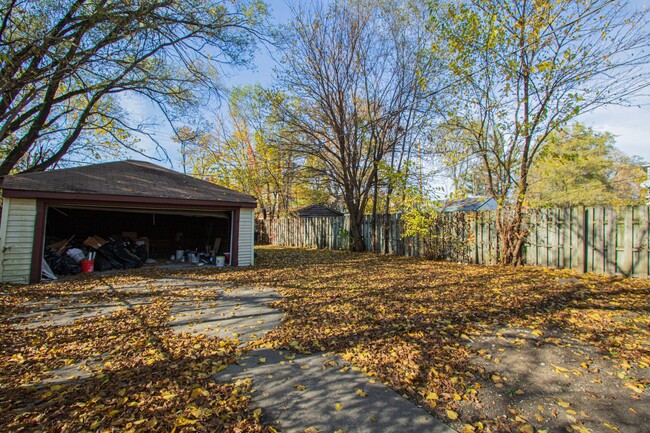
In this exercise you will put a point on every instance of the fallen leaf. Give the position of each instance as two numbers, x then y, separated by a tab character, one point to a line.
451	414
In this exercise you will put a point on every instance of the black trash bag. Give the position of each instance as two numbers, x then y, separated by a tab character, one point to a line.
141	252
107	253
61	265
124	254
102	263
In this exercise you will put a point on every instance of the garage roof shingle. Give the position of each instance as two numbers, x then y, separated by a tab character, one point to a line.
125	178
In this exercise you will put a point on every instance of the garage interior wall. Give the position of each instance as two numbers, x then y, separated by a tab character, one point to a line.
17	239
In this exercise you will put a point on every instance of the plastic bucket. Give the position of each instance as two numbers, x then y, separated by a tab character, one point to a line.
87	266
180	255
221	261
227	256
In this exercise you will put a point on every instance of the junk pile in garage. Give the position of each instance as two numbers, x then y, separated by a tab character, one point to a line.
73	256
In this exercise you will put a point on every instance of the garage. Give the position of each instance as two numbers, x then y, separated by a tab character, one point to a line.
160	208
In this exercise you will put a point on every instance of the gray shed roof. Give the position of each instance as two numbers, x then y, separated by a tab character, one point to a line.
316	210
471	204
125	178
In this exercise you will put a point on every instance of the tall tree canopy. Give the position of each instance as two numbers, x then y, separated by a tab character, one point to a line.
62	64
581	167
248	149
525	68
361	74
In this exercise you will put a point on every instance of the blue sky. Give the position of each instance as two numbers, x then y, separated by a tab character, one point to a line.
630	125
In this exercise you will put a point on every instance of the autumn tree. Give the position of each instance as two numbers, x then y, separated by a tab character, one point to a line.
248	148
64	64
522	70
581	167
359	76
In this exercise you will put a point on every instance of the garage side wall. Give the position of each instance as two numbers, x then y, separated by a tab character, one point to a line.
17	239
246	231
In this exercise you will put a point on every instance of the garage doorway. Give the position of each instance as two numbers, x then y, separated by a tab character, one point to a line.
164	230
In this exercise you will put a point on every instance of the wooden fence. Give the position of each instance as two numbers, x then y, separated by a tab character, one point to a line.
601	240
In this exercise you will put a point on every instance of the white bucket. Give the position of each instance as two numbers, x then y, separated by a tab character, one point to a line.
221	261
180	254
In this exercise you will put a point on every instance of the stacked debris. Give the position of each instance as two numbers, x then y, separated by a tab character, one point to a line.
69	257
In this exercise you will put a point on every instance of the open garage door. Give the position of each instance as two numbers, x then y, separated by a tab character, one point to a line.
165	231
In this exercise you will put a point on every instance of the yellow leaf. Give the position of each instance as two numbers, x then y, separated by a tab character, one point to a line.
468	428
338	406
610	426
636	388
360	392
526	428
300	387
563	404
571	412
451	414
457	397
559	369
519	392
168	395
432	396
261	360
584	365
539	418
536	332
196	392
181	421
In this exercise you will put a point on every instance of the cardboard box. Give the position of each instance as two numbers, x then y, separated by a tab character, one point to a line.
95	242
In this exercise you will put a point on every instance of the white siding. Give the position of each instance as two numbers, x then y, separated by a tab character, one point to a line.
246	231
17	239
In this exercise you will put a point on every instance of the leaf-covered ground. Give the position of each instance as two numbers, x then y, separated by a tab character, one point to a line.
485	348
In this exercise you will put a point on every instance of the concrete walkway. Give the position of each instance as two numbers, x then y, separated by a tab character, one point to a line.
305	393
298	393
322	393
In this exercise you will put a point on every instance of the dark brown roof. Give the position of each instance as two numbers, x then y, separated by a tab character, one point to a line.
316	210
125	178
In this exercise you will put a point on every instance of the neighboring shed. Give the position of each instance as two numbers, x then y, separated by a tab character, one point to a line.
172	210
315	210
472	204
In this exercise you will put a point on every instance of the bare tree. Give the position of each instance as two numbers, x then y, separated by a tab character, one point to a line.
526	68
357	83
62	62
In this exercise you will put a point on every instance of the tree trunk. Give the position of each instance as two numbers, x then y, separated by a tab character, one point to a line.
356	223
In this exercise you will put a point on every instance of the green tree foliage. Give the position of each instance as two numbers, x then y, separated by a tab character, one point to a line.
581	167
523	69
249	150
64	63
